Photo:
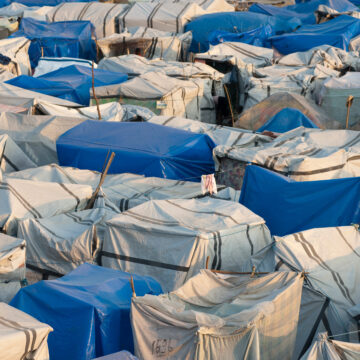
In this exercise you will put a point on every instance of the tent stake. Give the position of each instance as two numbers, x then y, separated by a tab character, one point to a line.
102	179
93	89
349	102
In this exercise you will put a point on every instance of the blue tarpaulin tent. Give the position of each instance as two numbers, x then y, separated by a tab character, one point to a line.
58	39
304	11
71	83
236	22
337	32
89	310
140	148
285	120
256	37
289	206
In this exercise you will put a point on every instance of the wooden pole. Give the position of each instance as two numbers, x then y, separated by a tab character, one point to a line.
132	286
349	102
93	90
207	263
102	179
230	106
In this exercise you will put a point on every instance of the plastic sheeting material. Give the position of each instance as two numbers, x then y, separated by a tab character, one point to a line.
62	39
88	309
289	206
140	148
285	120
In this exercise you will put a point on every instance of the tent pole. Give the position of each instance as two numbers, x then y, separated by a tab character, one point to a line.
349	102
93	89
230	106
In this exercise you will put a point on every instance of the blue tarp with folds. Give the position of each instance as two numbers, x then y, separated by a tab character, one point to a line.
140	148
58	39
89	310
71	83
337	32
256	37
236	22
304	11
289	206
285	120
38	2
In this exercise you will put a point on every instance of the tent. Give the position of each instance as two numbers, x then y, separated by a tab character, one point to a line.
325	348
260	113
70	83
162	151
21	199
37	2
303	11
334	95
89	310
54	249
14	345
103	16
165	16
239	22
160	237
217	316
285	120
338	32
12	264
61	39
164	95
147	42
289	206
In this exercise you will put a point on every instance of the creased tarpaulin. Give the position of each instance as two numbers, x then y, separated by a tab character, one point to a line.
216	316
285	120
303	11
71	83
338	32
89	310
61	39
22	336
236	22
140	148
288	206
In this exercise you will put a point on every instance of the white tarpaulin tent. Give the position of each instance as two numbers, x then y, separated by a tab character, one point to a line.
22	336
217	316
104	16
32	199
334	94
167	16
59	244
161	238
165	95
302	154
17	50
221	135
148	42
210	6
12	266
329	349
12	158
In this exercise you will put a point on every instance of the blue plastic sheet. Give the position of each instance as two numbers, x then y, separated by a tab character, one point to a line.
285	120
289	206
71	83
235	22
303	11
256	37
337	32
58	39
89	310
140	148
39	2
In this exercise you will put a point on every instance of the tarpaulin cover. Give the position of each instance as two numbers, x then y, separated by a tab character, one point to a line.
71	83
88	310
337	32
60	39
237	22
140	148
288	206
38	2
256	37
285	120
305	11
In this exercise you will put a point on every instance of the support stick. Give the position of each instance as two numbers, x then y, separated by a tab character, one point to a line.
93	89
230	106
349	102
